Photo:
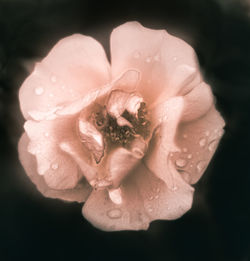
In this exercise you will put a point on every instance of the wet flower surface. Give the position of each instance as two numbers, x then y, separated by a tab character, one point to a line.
128	139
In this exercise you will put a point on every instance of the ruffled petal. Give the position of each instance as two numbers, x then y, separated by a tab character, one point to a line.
198	141
79	193
104	214
167	117
167	64
76	65
144	198
58	168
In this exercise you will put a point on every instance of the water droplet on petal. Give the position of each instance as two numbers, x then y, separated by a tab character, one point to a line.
202	142
150	210
158	190
175	58
157	58
151	198
174	188
184	136
212	145
51	95
148	59
180	163
189	156
137	54
201	165
207	133
114	213
39	91
54	166
156	196
53	78
46	134
184	149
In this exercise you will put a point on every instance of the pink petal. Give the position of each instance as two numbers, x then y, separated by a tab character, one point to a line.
162	142
144	198
79	193
104	214
167	64
198	141
59	170
76	65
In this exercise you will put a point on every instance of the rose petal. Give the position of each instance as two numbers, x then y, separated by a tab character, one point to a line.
162	142
197	102
79	193
76	65
198	140
144	198
104	214
167	64
59	170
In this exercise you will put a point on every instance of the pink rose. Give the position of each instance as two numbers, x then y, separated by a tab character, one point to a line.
128	138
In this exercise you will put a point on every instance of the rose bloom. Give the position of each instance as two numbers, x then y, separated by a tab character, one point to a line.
127	138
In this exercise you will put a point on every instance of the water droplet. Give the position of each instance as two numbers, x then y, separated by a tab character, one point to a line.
175	58
174	188
151	198
201	165
189	156
63	87
158	190
114	213
46	134
184	149
207	133
53	78
202	142
150	210
39	91
156	196
51	95
184	136
148	59
157	58
54	166
212	145
137	54
180	163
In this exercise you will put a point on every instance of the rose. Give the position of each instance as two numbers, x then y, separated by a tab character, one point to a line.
130	138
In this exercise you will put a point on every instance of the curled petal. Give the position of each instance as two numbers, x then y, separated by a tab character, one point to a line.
122	161
198	141
158	55
162	143
76	65
79	193
59	170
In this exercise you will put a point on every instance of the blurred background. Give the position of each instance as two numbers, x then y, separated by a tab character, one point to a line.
218	226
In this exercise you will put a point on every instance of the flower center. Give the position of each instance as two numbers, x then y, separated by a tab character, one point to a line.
116	134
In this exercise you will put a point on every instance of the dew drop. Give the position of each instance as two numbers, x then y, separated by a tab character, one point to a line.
202	142
158	190
156	196
207	133
174	188
151	198
114	213
51	95
157	58
212	145
39	91
150	210
148	59
189	156
201	165
184	136
137	54
46	134
184	149
54	166
180	163
175	58
53	78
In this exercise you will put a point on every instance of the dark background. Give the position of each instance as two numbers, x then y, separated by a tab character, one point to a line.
218	226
